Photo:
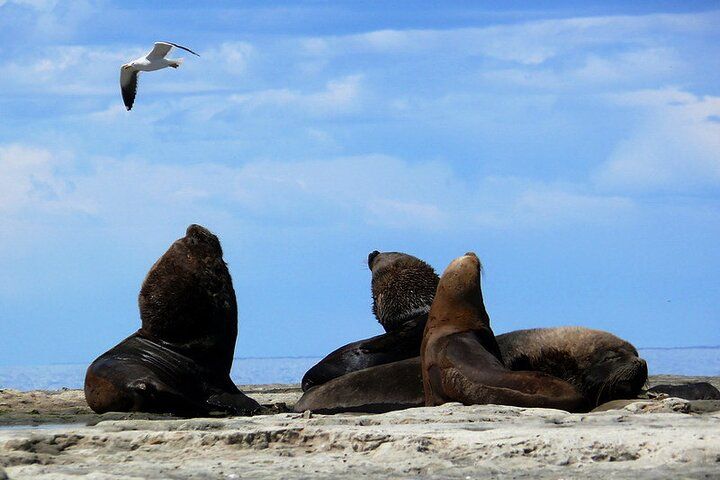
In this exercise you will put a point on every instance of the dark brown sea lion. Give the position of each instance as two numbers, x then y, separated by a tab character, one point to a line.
688	391
402	287
179	360
461	360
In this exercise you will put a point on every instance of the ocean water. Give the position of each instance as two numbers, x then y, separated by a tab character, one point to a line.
703	361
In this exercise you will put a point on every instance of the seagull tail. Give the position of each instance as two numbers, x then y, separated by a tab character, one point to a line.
175	62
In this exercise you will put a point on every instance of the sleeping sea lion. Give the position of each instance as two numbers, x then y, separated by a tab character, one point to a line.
179	360
601	365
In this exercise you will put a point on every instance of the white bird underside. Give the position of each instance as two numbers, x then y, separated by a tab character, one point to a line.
153	60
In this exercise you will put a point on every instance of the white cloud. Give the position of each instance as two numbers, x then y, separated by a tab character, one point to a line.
628	67
675	148
234	57
528	43
29	179
510	202
380	191
339	96
37	4
65	70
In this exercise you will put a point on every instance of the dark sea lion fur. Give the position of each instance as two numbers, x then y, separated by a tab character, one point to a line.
378	389
688	391
179	360
402	287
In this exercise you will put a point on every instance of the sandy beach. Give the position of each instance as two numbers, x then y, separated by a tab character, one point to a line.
53	434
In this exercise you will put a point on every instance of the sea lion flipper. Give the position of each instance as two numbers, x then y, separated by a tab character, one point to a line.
461	359
477	377
235	403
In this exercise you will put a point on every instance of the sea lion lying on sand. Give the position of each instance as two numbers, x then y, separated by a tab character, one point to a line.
599	364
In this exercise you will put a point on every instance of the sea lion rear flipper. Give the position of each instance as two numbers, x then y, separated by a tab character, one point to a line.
234	403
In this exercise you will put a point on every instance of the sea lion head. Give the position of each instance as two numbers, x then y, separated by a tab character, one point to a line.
460	293
403	287
614	371
188	299
458	305
603	366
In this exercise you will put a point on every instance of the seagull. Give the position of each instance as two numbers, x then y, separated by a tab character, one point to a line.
153	60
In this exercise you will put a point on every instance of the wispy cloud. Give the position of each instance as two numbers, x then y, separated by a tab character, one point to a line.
379	191
338	96
31	180
675	148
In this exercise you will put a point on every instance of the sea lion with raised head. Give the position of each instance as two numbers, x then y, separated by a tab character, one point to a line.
461	359
402	288
179	360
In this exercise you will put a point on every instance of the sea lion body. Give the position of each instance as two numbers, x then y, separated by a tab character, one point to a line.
688	391
179	360
461	359
402	288
377	389
396	345
601	365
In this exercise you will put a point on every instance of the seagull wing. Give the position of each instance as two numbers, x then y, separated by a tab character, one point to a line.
128	86
159	50
176	45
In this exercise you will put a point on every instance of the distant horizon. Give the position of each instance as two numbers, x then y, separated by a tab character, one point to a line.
300	357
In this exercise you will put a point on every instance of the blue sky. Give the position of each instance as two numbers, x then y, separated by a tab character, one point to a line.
576	149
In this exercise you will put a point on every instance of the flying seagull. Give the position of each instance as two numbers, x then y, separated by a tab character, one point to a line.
153	60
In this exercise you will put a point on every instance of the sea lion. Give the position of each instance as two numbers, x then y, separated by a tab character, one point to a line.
402	288
688	391
461	359
601	365
179	360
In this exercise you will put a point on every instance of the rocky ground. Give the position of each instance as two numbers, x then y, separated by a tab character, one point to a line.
639	440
